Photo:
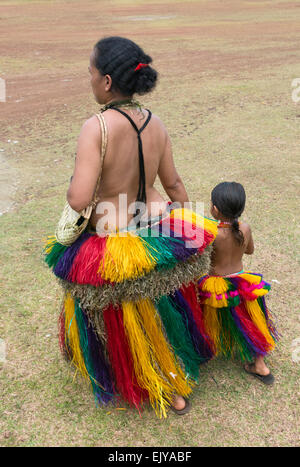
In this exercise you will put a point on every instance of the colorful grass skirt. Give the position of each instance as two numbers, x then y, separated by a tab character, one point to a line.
235	315
131	322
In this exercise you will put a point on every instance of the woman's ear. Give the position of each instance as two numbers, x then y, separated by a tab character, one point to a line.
108	83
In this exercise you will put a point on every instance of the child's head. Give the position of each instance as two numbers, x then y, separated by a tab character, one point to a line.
227	204
228	201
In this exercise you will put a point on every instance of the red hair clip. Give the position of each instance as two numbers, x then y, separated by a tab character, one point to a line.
140	65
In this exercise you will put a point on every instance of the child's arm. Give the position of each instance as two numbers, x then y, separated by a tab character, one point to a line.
250	244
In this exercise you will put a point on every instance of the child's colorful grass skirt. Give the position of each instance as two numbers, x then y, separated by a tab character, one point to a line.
235	315
131	323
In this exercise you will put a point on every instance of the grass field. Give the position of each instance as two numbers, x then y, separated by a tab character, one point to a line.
225	95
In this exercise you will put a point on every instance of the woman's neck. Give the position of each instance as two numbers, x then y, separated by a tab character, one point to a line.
127	103
118	98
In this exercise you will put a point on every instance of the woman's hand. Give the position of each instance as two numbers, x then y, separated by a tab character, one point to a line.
87	166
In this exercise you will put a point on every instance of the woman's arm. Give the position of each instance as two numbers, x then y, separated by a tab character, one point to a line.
87	166
169	177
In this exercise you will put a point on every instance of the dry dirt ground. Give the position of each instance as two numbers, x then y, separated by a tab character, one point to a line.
224	93
43	43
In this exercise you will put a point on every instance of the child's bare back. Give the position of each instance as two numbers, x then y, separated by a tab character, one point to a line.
227	253
234	238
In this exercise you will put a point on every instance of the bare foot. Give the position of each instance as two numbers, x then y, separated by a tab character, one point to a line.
258	366
260	370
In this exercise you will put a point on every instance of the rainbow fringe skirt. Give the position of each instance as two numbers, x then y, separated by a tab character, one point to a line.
131	322
235	315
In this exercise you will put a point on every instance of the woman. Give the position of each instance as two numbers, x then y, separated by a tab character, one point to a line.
130	321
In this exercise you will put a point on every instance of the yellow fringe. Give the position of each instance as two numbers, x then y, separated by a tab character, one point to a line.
191	216
212	326
260	292
216	286
49	244
125	258
252	278
160	349
72	336
257	316
223	342
148	377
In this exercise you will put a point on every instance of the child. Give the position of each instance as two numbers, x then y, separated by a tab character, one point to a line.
234	310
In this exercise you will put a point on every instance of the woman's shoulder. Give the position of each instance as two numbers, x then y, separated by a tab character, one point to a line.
90	131
116	123
91	124
158	121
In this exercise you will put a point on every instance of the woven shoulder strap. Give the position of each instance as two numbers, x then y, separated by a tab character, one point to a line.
103	129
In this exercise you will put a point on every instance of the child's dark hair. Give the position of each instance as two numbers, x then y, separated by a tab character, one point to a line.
230	199
119	57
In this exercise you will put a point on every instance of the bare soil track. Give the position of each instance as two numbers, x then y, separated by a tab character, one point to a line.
46	45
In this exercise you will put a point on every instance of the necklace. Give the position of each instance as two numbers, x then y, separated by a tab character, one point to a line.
125	103
224	224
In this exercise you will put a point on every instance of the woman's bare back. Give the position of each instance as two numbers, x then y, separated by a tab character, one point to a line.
120	172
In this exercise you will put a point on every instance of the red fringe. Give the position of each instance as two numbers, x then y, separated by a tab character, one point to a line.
121	359
87	260
86	264
246	290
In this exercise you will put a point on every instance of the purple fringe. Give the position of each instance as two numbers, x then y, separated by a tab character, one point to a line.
250	344
101	369
64	264
255	350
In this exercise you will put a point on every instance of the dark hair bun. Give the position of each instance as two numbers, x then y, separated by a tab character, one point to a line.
146	80
119	57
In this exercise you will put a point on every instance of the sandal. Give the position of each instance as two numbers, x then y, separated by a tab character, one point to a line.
266	379
183	411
